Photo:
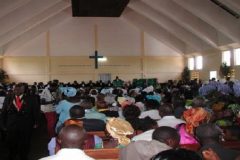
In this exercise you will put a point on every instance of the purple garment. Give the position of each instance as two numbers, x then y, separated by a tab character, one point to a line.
185	138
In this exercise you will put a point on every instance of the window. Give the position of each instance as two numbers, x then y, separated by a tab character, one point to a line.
191	63
199	62
237	56
213	74
226	57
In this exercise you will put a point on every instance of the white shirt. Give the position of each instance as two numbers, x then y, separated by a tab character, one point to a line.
47	95
52	146
1	102
146	136
170	121
69	153
154	114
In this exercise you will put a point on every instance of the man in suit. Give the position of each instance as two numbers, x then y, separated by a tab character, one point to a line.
19	117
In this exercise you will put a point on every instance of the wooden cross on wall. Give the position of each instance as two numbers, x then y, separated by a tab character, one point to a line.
95	57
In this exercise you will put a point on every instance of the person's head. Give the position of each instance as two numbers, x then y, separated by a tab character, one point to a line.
71	136
19	89
33	90
26	89
208	133
88	102
179	154
53	87
167	135
131	112
232	133
166	110
100	97
93	92
148	124
101	104
152	104
77	112
194	117
139	98
70	92
198	102
178	102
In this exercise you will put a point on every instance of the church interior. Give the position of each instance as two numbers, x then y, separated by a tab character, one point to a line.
76	41
43	40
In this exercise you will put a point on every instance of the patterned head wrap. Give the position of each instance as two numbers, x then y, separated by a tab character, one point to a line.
73	121
125	101
119	129
69	91
194	117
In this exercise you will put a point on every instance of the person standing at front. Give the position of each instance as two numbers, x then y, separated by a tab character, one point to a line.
19	117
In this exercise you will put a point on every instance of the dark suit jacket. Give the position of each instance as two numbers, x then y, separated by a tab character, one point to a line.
25	117
88	124
94	125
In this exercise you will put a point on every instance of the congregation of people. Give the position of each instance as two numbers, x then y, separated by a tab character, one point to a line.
145	122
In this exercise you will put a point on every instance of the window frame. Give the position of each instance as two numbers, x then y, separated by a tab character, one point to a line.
213	77
197	63
228	62
191	63
236	60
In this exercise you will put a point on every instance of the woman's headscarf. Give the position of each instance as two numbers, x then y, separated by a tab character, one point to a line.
119	129
69	91
194	117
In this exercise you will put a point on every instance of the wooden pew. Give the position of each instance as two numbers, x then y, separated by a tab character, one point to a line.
106	154
101	134
228	144
192	147
232	145
113	153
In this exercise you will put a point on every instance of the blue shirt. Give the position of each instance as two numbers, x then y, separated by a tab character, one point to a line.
93	114
63	110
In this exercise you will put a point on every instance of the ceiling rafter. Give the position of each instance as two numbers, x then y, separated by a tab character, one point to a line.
24	13
32	22
186	20
35	31
170	25
6	7
154	30
214	16
233	4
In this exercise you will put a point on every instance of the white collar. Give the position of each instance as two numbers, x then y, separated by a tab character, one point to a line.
19	96
169	117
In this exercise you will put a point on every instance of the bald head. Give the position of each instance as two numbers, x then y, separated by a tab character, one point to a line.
167	135
71	136
166	110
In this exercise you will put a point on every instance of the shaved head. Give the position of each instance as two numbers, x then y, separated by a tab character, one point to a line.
71	136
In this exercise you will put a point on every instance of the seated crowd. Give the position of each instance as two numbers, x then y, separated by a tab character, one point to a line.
171	121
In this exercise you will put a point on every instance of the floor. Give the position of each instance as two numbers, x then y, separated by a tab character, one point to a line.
38	143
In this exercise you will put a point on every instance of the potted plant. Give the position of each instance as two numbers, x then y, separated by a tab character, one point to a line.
3	76
186	74
225	70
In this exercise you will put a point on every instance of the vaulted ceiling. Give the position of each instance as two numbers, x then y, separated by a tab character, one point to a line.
187	26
